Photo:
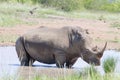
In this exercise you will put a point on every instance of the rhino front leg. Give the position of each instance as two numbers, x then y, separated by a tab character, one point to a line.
24	60
70	63
60	59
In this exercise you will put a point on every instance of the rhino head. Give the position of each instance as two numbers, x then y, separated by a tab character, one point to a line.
79	42
93	56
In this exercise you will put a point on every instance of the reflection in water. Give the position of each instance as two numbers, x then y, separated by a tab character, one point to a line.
9	65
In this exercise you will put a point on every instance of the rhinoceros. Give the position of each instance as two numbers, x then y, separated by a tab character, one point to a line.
60	46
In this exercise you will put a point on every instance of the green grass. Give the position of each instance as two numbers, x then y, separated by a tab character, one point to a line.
72	77
9	21
12	14
86	74
89	73
109	65
116	40
8	38
115	25
112	32
72	5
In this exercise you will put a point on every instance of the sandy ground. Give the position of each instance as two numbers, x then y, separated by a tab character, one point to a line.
100	31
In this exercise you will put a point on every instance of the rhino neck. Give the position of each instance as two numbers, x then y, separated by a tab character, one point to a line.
85	53
73	51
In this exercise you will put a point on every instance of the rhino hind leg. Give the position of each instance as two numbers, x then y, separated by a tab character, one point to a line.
31	61
60	59
23	56
27	61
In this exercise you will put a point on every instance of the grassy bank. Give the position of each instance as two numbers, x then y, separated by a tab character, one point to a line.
88	75
12	14
77	77
71	5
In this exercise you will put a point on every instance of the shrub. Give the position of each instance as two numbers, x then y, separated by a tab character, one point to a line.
109	65
66	5
105	5
115	24
112	7
70	5
89	72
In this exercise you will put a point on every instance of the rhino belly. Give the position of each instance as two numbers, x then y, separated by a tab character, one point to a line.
41	52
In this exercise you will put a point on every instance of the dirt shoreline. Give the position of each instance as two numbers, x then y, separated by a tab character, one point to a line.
100	31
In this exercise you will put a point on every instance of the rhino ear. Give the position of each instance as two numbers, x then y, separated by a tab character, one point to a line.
74	32
72	35
86	31
95	48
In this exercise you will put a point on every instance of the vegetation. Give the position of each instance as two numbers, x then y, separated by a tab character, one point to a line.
8	38
115	24
116	40
109	65
12	14
70	5
87	74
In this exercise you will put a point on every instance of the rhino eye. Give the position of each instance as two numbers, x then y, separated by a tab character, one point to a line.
77	37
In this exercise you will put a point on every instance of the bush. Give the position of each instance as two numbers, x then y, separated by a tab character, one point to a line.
89	72
115	24
112	7
70	5
66	5
105	5
109	65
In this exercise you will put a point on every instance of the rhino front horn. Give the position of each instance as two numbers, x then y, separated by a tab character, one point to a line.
104	48
100	54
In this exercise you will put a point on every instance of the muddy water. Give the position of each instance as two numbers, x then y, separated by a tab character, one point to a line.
9	65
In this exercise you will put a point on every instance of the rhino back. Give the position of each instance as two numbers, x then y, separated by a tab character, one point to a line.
57	37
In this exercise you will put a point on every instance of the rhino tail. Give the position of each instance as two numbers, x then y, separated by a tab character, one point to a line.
21	52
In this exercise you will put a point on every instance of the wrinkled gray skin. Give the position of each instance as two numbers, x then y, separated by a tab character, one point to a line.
60	46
